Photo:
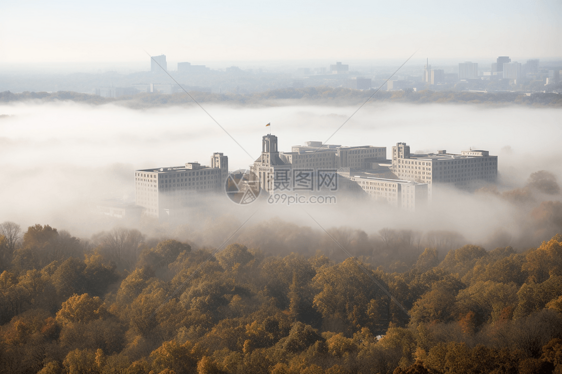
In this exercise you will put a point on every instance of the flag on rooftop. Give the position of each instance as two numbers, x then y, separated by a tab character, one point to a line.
269	124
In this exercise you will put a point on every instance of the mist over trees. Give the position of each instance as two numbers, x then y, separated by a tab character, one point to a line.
126	302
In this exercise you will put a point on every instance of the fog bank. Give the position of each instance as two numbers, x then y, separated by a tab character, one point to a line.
59	159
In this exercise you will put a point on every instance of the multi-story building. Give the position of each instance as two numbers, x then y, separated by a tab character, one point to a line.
402	194
161	190
314	155
499	63
187	67
468	70
532	66
158	63
358	83
317	155
437	76
464	170
512	70
400	85
339	68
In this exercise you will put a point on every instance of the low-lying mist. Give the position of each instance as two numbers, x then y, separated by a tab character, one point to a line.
58	160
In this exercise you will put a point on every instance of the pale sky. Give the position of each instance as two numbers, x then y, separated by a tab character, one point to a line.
119	31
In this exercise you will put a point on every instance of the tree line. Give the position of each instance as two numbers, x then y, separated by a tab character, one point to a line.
291	96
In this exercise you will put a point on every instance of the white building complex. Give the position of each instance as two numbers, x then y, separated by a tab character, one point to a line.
405	181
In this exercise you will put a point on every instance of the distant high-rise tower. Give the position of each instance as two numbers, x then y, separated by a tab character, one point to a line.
339	68
437	76
158	63
468	70
500	61
532	66
427	72
512	70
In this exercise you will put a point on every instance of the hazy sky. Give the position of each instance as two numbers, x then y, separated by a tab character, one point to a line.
117	31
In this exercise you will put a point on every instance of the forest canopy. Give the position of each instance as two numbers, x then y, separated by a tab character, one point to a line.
122	302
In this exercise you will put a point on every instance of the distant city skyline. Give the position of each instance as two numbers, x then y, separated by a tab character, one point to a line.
117	31
127	67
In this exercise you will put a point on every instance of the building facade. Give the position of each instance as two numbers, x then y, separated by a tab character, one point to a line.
405	181
464	170
313	155
161	190
468	70
402	194
359	83
500	61
339	68
512	70
437	76
158	63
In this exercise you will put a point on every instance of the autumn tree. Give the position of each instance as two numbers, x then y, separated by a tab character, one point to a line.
345	292
545	260
438	304
234	255
12	232
427	260
300	338
179	358
544	182
121	245
486	300
81	308
5	254
460	261
81	362
162	255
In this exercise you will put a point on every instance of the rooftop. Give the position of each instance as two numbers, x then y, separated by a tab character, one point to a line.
171	169
401	181
450	156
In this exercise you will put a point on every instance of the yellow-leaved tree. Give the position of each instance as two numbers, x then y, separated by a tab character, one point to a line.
81	308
